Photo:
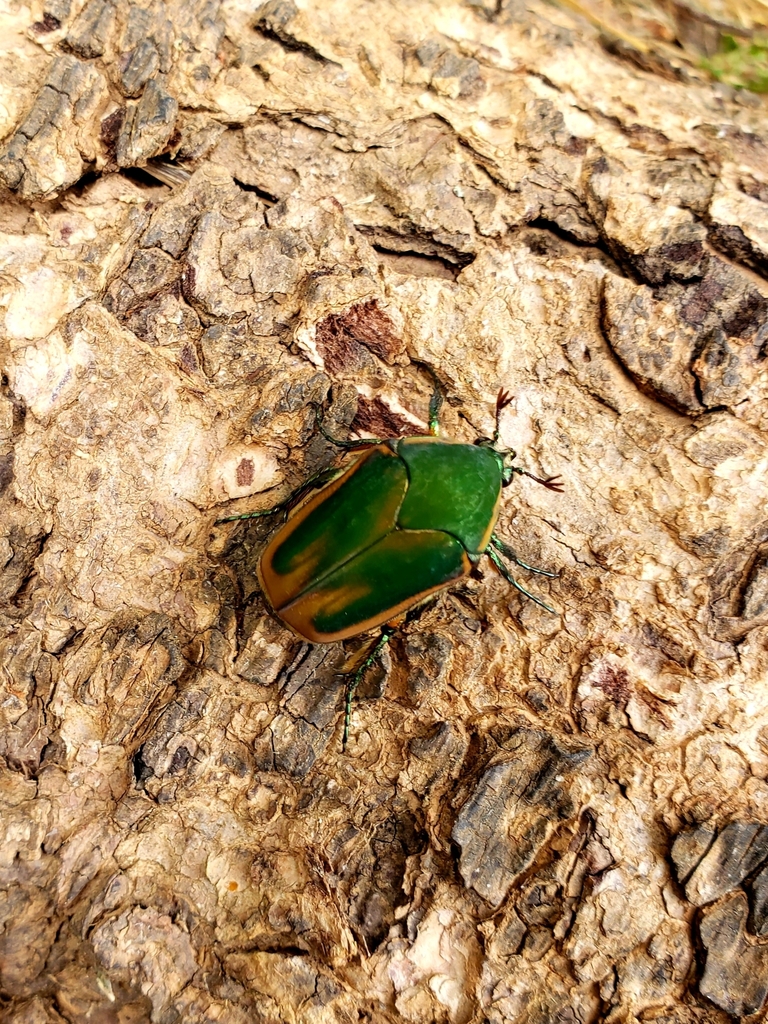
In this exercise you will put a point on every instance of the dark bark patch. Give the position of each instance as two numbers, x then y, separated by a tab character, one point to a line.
188	359
613	680
700	299
749	316
110	129
341	335
513	809
47	24
244	472
374	418
375	878
6	471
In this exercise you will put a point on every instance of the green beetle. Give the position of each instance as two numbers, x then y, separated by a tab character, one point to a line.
408	518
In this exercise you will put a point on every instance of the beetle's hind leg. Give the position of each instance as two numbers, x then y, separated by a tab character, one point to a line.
505	572
317	480
354	682
509	552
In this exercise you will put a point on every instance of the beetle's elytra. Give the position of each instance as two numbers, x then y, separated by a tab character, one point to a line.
408	518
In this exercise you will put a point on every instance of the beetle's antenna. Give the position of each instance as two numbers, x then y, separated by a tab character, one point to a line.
503	399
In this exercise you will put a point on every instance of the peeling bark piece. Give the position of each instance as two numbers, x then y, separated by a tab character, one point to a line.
688	849
141	64
150	271
59	10
148	126
172	224
508	937
655	238
692	347
168	321
758	903
29	927
372	874
726	368
146	46
22	744
295	746
686	182
755	601
154	946
736	973
49	150
435	755
719	439
23	543
738	850
739	227
273	976
680	260
651	343
300	732
280	20
514	807
92	29
170	744
134	668
450	75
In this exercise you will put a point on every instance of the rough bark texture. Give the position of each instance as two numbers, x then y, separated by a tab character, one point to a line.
539	818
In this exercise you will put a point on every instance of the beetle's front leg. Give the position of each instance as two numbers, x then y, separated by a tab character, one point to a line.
552	483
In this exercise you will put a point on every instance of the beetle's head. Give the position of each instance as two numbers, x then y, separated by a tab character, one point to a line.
507	456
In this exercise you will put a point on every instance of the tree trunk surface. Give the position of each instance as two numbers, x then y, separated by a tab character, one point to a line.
217	218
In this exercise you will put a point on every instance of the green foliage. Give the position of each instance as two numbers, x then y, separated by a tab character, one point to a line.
743	64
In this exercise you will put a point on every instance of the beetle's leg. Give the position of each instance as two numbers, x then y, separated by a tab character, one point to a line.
511	579
317	480
435	404
436	401
509	552
373	654
349	445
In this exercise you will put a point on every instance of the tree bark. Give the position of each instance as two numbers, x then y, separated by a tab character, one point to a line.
216	219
